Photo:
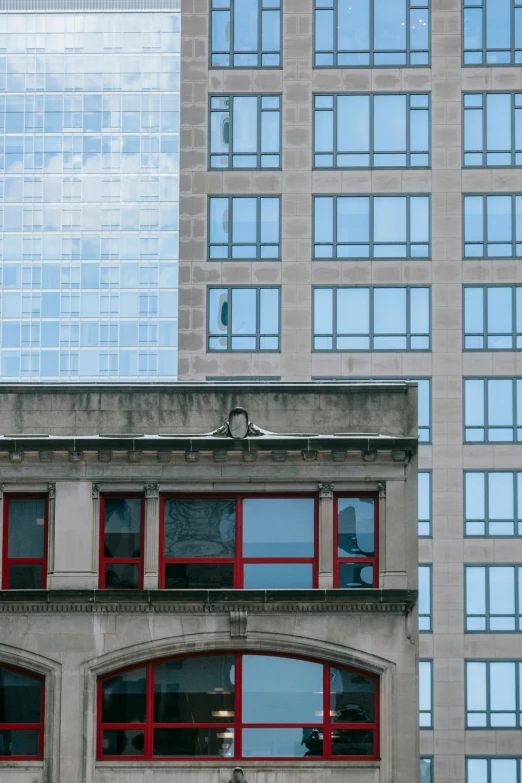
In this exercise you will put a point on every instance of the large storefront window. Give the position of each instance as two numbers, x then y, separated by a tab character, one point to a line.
238	542
239	706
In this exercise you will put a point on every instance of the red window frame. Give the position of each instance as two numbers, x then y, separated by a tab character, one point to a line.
149	725
121	560
6	560
39	727
339	559
238	561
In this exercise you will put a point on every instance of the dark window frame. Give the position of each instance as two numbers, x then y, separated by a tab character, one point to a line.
6	560
486	335
408	335
238	561
485	242
258	153
39	727
516	521
340	559
518	695
407	152
149	725
258	335
517	590
103	560
411	6
481	5
371	257
260	52
485	151
230	245
517	425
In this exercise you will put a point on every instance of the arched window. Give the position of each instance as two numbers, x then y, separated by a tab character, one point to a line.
21	714
238	706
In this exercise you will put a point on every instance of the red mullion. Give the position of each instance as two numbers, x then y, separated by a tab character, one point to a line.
340	559
130	560
161	546
302	725
149	712
315	567
327	735
6	560
238	707
20	726
239	577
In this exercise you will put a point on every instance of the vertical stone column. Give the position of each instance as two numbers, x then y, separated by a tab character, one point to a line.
51	527
96	522
151	554
326	542
383	537
2	542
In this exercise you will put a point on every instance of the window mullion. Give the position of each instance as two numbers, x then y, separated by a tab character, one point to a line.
149	712
238	706
327	733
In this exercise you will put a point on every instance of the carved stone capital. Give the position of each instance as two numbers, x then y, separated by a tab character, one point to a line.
238	623
382	489
326	490
51	489
151	491
95	491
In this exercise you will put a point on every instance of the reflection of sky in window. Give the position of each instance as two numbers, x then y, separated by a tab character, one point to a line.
89	148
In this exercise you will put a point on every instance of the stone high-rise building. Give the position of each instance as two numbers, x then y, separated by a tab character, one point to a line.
379	160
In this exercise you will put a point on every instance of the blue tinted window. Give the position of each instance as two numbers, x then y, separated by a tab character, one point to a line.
492	226
425	598
426	694
245	132
492	318
492	129
493	770
492	32
360	131
371	319
492	697
492	410
371	33
493	503
358	227
424	501
493	598
245	33
243	319
244	227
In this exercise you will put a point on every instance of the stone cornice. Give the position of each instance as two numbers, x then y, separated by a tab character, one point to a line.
208	601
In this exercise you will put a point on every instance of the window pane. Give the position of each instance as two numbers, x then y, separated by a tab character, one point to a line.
353	219
353	32
356	575
270	220
123	742
122	527
503	771
389	119
389	310
500	403
501	496
278	527
282	743
474	219
352	742
218	317
476	590
323	219
476	686
244	220
419	310
473	310
390	25
499	219
24	577
389	219
119	576
353	311
246	26
475	496
20	697
244	125
193	742
18	743
26	527
356	526
199	528
194	690
502	590
123	697
278	576
498	24
424	504
244	311
474	403
352	697
269	311
281	690
425	686
199	576
502	690
353	123
323	311
419	219
219	220
498	121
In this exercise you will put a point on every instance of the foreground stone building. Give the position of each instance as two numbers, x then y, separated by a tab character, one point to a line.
196	578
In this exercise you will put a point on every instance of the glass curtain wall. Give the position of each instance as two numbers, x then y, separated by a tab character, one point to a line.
89	153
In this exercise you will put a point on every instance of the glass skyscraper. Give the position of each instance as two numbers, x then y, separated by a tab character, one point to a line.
89	153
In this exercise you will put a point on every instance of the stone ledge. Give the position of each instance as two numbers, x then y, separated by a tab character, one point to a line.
209	601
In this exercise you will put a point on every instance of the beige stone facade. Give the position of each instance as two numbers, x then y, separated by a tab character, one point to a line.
446	364
152	442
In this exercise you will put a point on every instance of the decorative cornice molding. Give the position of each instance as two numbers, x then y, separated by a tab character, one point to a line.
369	601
